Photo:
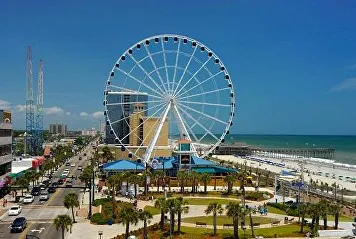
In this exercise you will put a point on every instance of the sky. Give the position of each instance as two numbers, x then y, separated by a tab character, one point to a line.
292	63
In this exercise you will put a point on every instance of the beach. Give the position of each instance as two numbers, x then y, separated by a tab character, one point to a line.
312	167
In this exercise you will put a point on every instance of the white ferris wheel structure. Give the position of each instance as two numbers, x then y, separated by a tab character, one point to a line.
174	79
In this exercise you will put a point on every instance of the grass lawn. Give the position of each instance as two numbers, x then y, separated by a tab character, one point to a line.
342	218
291	230
206	201
220	220
153	210
276	210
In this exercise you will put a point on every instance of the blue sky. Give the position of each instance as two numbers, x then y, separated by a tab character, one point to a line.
293	63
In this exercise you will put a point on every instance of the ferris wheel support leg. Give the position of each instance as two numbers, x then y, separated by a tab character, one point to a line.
155	137
182	128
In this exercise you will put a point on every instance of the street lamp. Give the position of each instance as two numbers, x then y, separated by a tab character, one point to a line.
100	233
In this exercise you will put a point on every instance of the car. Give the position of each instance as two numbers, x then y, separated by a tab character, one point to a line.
80	168
54	184
67	164
72	165
42	186
51	189
80	158
18	225
35	191
69	184
44	195
28	199
15	210
46	182
61	181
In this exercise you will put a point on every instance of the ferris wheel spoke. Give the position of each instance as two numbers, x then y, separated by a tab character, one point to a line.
189	128
197	122
140	82
206	115
202	82
135	92
154	65
205	93
148	109
165	65
202	66
148	118
185	69
176	64
146	73
203	103
134	102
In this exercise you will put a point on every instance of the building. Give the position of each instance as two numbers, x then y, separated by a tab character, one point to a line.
58	129
5	142
119	113
89	132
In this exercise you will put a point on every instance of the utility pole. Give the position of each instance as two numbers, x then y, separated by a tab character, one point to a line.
39	115
30	117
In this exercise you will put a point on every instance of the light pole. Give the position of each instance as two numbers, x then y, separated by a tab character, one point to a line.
100	233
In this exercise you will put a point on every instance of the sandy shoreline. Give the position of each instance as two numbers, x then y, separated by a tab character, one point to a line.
312	167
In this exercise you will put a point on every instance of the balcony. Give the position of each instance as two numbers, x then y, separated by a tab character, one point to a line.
5	159
5	140
4	125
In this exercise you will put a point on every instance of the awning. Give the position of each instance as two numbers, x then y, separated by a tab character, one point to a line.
204	170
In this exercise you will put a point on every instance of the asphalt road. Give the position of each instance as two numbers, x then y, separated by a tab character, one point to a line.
40	214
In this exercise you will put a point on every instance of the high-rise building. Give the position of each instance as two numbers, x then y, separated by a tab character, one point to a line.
5	142
58	129
119	113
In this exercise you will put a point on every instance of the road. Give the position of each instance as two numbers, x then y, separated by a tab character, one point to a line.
40	214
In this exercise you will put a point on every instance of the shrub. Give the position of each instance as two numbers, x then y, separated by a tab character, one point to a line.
99	219
100	201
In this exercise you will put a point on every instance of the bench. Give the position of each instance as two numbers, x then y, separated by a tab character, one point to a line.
291	220
228	226
275	223
256	224
200	224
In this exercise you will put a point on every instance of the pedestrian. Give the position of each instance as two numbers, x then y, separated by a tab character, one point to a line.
3	202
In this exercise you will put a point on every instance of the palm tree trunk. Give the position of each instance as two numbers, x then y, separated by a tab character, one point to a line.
135	185
162	219
336	220
325	218
127	230
73	214
157	185
214	223
62	232
317	222
179	220
145	229
236	227
205	186
251	225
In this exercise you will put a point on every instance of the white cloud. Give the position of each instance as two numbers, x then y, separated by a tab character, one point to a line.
20	108
83	114
68	113
348	84
97	115
5	105
55	110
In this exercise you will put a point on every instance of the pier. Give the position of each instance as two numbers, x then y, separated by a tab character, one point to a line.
246	150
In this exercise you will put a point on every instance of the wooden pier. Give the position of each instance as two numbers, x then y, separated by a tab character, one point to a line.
246	150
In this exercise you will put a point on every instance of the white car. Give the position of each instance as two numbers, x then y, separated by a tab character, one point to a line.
44	195
72	165
28	199
15	210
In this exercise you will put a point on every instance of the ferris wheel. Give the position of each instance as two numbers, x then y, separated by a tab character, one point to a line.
177	86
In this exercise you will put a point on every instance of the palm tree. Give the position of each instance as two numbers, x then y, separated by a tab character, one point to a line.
249	211
135	180
161	203
324	210
194	177
23	183
335	209
214	208
182	176
127	216
171	208
234	211
71	201
303	209
205	178
180	207
158	176
267	173
112	180
229	179
145	216
314	212
64	222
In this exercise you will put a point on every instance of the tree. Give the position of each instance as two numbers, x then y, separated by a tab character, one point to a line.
64	222
205	178
335	209
180	207
229	179
135	180
161	203
113	181
314	212
23	183
303	209
107	155
182	176
71	201
171	208
249	211
234	211
194	177
127	216
145	216
157	176
324	207
214	208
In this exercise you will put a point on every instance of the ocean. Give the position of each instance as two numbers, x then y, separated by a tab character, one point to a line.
345	146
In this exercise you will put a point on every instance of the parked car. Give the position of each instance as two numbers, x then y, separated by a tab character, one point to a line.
44	195
18	225
15	210
35	191
28	199
46	182
69	184
80	168
67	164
61	181
54	184
42	186
51	189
